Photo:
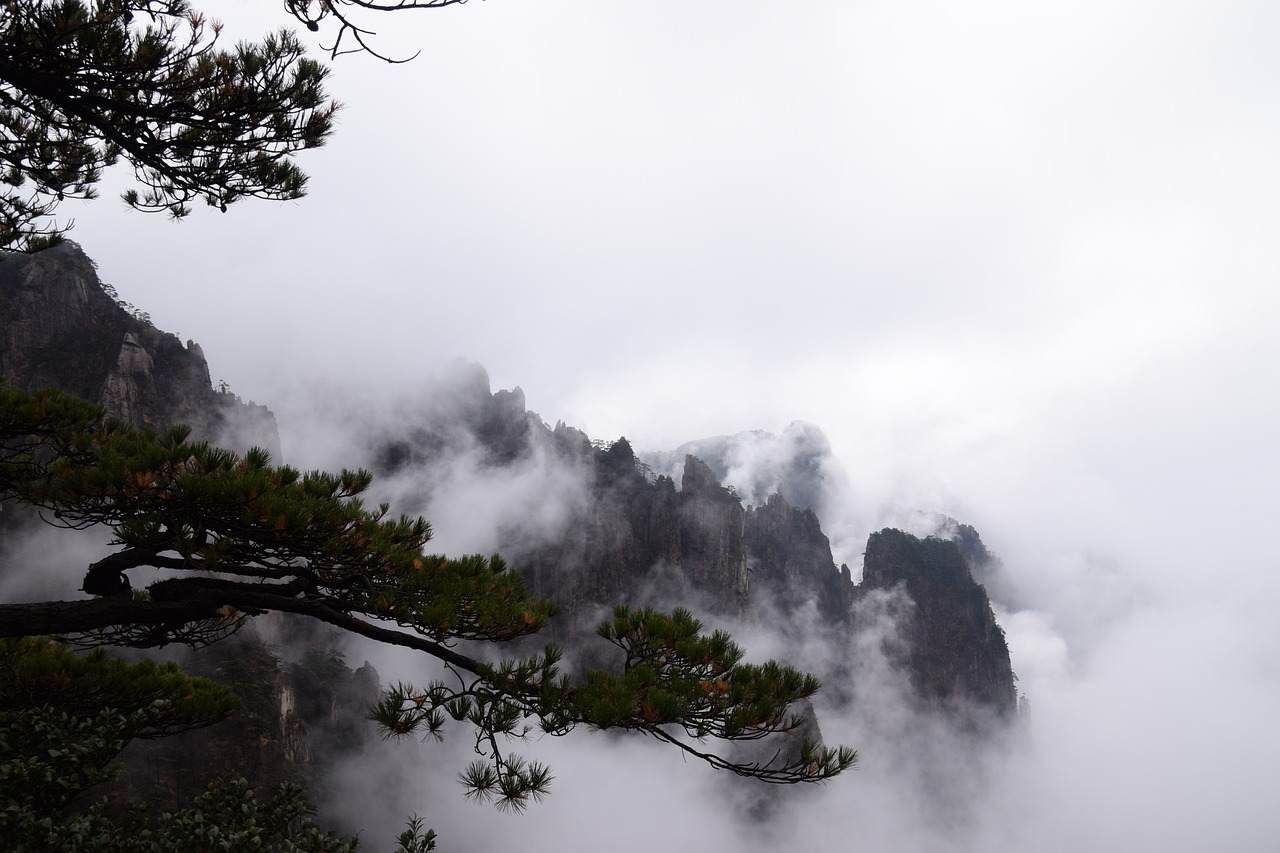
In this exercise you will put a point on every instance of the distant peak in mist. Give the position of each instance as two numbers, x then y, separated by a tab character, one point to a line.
796	463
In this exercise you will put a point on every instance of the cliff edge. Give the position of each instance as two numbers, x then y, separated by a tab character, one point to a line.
61	326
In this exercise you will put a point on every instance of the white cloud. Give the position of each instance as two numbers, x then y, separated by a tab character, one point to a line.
1014	259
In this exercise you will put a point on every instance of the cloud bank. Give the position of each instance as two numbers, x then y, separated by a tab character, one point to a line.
1014	259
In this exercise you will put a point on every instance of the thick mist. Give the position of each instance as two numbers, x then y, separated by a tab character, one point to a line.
1148	706
1015	260
1145	709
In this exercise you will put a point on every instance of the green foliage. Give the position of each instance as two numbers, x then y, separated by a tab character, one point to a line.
63	719
674	673
673	677
160	698
295	542
230	817
327	664
49	756
188	507
414	839
36	429
86	84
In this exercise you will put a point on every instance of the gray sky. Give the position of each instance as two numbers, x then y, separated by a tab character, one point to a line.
1018	260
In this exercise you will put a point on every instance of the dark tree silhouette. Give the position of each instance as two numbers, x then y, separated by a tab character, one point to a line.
86	85
237	536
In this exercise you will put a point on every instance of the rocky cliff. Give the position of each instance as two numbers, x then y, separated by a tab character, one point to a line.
791	560
61	326
297	720
641	541
797	463
637	537
671	533
955	651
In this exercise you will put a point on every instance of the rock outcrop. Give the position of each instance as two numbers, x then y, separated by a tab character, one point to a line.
296	721
59	326
955	650
631	536
797	463
791	560
640	541
713	548
636	537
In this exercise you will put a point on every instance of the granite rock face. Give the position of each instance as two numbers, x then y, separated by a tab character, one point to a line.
631	536
60	327
641	538
643	542
297	721
713	549
791	560
797	463
955	650
673	532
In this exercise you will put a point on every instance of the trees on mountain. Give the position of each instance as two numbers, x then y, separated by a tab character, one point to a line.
234	536
63	719
86	84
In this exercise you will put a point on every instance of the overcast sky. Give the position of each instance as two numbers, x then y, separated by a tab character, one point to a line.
1018	260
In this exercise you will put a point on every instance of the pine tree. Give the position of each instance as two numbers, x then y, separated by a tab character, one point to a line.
63	719
237	536
84	85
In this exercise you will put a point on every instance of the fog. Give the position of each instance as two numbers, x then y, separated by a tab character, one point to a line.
1016	261
1150	693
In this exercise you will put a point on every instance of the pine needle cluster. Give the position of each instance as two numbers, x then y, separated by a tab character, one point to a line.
232	536
85	85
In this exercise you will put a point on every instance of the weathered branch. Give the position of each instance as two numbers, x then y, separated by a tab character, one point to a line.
241	537
55	618
196	599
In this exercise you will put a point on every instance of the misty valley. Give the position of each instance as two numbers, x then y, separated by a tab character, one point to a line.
899	627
